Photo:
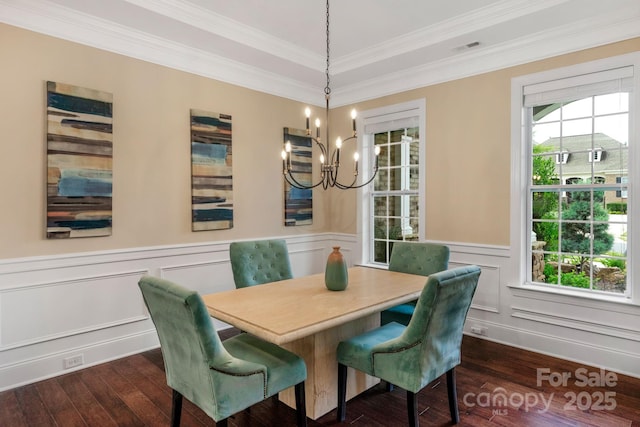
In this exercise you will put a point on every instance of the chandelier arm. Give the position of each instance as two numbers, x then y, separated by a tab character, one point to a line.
348	187
294	182
323	149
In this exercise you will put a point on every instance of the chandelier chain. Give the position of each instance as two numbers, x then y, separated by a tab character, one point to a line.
327	89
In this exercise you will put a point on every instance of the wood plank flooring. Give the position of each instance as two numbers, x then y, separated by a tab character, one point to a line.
132	392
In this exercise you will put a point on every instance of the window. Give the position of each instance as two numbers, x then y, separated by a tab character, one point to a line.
391	207
574	150
562	157
595	155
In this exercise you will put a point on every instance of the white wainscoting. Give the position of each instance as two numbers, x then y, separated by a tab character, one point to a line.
88	304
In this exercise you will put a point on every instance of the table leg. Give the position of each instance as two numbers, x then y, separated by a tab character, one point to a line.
319	353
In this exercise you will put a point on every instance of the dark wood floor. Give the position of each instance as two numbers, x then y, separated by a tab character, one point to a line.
132	392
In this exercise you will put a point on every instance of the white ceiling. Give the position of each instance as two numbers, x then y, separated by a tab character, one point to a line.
377	47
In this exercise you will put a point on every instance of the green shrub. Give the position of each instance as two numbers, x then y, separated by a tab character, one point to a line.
617	208
576	280
614	262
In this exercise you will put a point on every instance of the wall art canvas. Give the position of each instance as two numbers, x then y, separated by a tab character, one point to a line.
211	171
298	204
79	161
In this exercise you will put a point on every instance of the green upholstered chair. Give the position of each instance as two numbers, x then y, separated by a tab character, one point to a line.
413	356
258	262
221	378
414	258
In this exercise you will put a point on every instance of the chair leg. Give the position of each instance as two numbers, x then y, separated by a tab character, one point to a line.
389	386
342	392
453	395
301	408
412	409
176	409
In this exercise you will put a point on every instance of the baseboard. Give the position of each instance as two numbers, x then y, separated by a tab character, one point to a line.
45	366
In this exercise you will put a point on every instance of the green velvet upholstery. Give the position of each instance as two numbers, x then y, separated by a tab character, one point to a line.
414	258
413	356
259	262
221	378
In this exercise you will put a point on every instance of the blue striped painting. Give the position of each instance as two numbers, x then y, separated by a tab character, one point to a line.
298	204
211	171
79	161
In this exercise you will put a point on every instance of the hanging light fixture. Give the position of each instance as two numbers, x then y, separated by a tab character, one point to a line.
329	159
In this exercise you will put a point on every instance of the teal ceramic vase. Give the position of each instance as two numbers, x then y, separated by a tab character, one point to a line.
335	275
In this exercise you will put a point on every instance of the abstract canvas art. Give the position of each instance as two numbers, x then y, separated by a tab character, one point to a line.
298	204
79	161
211	171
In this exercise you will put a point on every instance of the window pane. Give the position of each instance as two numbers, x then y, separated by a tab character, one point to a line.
414	149
577	127
544	131
611	103
380	228
544	169
395	229
395	179
577	109
380	206
414	133
380	252
579	235
383	158
381	182
414	178
396	135
615	126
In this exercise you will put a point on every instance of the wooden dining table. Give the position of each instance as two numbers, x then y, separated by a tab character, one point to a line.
302	315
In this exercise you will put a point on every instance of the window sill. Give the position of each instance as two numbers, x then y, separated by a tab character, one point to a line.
552	294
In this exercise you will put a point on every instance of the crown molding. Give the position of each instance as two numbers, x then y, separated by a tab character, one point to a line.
60	22
579	36
468	23
211	22
49	18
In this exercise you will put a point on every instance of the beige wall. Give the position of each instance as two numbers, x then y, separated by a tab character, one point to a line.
468	151
151	172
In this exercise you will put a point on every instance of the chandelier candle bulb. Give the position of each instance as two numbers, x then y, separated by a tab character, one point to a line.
284	162
354	114
318	128
307	113
287	149
356	156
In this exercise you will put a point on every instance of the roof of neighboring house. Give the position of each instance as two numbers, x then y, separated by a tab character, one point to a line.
614	154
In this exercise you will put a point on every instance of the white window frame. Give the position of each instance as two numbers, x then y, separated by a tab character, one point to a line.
520	238
386	119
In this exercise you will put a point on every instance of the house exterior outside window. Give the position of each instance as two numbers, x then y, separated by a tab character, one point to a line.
391	208
575	144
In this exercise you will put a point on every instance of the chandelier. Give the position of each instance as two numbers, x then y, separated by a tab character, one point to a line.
329	159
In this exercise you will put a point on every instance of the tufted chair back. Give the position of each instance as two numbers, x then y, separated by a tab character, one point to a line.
260	261
414	258
419	258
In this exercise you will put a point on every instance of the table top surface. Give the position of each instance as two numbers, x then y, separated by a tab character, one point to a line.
285	311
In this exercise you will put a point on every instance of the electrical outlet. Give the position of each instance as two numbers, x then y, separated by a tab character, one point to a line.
479	330
73	361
